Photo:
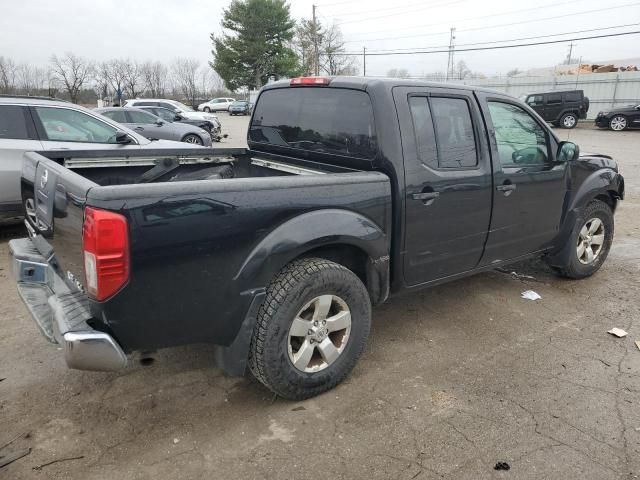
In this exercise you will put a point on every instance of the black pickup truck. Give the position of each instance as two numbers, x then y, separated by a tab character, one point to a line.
351	189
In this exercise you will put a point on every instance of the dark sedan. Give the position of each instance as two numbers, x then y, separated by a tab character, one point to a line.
153	127
240	107
620	118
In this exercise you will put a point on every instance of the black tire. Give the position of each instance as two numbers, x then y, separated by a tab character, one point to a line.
295	286
206	109
572	267
193	139
569	120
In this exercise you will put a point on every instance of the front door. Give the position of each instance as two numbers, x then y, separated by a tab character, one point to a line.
448	182
530	186
553	106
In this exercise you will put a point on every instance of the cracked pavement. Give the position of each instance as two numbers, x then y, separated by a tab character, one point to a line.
454	379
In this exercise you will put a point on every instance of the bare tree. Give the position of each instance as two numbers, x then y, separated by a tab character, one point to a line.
332	59
398	73
73	72
8	71
115	71
132	77
185	71
155	78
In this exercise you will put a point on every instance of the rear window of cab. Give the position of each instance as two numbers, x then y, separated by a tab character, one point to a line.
318	119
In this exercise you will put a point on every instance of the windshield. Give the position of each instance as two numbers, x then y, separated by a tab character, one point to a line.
323	120
238	104
183	107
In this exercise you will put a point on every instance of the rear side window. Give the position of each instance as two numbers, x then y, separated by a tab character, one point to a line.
554	99
454	133
572	97
141	117
323	120
116	116
15	123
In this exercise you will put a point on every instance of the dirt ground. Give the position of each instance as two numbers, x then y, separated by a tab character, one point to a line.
454	380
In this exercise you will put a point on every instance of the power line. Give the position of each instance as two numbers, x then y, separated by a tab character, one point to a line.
497	47
424	7
513	39
491	26
359	12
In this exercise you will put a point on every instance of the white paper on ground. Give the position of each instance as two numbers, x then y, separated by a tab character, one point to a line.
618	332
531	295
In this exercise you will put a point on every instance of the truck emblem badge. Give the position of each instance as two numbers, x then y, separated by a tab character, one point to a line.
44	178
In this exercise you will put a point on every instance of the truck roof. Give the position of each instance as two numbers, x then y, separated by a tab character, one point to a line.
366	83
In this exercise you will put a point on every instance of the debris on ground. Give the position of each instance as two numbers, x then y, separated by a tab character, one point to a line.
638	344
176	440
530	295
7	458
522	276
502	466
297	409
618	332
2	379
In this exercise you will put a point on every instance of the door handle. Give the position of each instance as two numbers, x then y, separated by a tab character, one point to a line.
427	197
506	189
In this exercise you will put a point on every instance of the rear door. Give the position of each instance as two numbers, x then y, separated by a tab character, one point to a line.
145	124
531	187
448	182
17	135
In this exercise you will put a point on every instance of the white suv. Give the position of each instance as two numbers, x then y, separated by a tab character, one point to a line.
216	105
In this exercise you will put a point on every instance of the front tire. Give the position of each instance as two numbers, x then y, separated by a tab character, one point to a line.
618	123
311	328
591	241
569	120
206	109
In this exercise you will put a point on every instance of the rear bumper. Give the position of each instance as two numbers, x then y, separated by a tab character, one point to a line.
61	314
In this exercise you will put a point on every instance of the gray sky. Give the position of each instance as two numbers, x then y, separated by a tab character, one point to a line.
31	30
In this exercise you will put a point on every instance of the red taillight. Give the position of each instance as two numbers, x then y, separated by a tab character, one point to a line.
105	242
310	81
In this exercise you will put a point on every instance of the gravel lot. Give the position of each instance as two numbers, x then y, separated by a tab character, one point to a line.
454	379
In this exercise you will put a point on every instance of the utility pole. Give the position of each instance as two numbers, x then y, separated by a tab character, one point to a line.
571	45
364	61
316	55
452	39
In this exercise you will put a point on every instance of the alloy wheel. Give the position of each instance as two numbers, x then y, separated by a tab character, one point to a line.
569	121
590	241
319	333
193	139
618	123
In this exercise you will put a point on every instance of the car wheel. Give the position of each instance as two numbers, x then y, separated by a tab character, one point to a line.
569	120
591	241
311	328
192	138
618	123
206	109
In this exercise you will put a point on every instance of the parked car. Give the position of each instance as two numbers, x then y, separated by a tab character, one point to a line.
155	128
216	105
42	123
352	189
182	109
619	118
240	107
170	116
561	109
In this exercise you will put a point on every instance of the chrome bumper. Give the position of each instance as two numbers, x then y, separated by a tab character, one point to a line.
61	314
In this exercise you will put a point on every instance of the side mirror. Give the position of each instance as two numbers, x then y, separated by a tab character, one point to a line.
178	117
123	138
567	152
159	123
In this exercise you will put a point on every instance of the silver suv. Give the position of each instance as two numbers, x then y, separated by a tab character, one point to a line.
40	123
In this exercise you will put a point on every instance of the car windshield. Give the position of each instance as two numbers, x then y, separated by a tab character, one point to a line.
238	104
183	107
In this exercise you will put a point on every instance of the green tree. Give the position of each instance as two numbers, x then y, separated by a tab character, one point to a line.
258	45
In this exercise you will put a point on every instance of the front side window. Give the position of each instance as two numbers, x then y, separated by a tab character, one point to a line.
66	125
317	119
141	117
171	107
116	116
164	114
455	139
519	138
15	123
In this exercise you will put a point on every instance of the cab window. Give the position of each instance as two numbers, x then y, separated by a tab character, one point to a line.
519	138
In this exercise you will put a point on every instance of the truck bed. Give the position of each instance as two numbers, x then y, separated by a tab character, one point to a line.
207	232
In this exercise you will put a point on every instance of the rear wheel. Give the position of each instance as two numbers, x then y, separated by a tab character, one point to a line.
569	120
591	241
192	138
206	109
618	123
311	328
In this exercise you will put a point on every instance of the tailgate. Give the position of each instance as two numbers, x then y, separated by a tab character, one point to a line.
58	197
